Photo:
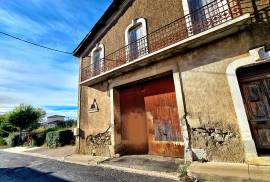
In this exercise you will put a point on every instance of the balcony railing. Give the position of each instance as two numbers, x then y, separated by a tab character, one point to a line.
205	18
263	15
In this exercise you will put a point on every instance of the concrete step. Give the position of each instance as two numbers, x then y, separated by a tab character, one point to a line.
219	171
147	162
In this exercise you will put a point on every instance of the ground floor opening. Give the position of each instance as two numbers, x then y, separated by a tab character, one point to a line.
149	120
255	89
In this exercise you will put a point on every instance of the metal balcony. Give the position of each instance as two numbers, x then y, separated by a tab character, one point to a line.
205	18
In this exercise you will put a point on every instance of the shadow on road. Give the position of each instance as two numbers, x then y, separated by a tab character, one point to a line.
20	174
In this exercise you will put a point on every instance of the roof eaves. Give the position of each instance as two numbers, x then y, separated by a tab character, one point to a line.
100	24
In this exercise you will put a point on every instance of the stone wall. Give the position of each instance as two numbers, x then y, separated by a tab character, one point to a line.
94	123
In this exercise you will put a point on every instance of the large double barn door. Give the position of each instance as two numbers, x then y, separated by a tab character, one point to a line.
149	117
255	88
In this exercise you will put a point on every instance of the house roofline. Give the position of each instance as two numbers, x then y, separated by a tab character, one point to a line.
55	116
114	6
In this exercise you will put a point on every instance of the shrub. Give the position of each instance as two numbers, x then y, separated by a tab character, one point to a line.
13	140
6	128
38	138
3	133
59	138
52	139
2	141
50	129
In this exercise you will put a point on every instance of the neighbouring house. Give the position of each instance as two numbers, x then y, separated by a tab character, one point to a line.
52	121
180	78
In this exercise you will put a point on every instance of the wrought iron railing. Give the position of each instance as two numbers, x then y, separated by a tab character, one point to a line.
208	16
263	15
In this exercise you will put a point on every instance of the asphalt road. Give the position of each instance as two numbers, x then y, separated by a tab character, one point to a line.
17	167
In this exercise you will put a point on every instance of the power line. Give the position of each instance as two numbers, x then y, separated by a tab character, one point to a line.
35	44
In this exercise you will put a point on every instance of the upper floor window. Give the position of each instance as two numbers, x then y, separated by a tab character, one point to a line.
136	39
97	56
203	14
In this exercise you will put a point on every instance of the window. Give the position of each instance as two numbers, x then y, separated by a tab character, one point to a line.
97	59
136	39
205	13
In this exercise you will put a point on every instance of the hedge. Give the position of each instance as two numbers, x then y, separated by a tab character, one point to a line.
39	138
2	141
13	139
59	138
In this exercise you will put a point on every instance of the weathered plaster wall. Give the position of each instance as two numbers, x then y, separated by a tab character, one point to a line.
210	111
95	138
157	14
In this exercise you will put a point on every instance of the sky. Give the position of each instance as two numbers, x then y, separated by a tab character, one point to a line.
37	76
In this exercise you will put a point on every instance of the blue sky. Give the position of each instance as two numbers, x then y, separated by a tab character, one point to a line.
34	75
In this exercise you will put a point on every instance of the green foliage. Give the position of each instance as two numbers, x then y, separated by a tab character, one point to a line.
34	126
59	138
6	128
13	140
25	116
3	133
67	124
2	141
52	139
39	138
3	118
61	124
183	170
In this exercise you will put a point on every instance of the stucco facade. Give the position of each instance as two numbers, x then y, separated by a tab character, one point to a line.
209	123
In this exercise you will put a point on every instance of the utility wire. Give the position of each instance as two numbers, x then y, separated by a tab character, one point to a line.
35	44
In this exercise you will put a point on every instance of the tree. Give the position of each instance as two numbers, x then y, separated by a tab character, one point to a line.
25	116
5	126
3	118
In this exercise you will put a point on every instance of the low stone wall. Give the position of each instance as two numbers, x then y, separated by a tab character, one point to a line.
99	144
101	139
215	144
218	136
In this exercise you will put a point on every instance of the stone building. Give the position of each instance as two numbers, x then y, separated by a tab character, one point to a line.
178	78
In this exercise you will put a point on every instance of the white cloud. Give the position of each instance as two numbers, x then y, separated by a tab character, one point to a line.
34	75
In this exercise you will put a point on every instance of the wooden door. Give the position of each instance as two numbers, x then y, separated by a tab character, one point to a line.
255	88
133	122
164	133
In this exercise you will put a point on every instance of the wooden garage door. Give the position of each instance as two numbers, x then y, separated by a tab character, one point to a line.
164	133
255	88
149	117
133	121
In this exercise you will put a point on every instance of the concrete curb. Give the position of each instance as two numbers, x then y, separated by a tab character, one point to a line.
218	171
105	166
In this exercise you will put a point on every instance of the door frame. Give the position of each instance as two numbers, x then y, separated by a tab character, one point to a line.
112	91
255	57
